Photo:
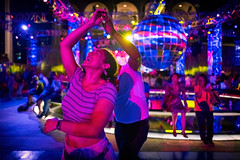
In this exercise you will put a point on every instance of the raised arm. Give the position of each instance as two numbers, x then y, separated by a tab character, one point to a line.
135	57
66	45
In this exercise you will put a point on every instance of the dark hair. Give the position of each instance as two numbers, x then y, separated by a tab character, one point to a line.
170	79
204	78
112	72
178	76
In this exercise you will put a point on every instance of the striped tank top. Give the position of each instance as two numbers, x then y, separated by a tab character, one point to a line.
78	105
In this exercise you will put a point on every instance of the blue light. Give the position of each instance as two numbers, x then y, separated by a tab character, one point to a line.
237	52
33	52
215	50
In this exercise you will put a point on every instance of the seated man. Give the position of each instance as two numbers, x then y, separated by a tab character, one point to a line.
36	88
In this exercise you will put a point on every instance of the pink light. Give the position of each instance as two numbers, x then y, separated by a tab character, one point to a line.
45	1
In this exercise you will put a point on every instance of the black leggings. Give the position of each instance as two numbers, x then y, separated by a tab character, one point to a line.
130	138
205	119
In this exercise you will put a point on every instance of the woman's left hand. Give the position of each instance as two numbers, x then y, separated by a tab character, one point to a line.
108	24
50	125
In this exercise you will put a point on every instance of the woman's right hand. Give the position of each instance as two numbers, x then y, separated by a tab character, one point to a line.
97	17
50	125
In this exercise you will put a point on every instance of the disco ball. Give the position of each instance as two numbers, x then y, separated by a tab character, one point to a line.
160	39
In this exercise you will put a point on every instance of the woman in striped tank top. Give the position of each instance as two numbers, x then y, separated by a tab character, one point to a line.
90	99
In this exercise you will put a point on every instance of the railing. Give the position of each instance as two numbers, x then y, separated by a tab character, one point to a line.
226	115
230	99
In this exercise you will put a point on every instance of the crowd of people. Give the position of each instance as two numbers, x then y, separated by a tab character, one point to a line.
18	84
93	95
222	81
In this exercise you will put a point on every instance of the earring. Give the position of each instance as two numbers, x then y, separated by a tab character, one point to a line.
105	72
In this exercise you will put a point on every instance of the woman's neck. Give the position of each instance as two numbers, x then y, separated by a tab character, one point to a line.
93	77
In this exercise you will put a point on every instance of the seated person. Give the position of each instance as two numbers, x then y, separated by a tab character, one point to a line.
52	91
36	89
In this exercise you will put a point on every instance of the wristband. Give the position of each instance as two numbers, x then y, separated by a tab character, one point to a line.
59	124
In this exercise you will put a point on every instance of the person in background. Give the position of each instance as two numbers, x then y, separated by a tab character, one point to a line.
27	76
147	92
52	91
20	82
44	80
235	82
173	93
90	100
204	116
131	110
36	88
188	81
153	79
213	79
10	83
158	80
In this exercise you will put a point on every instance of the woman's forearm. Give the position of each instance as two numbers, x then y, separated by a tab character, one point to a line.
74	36
66	45
126	45
80	129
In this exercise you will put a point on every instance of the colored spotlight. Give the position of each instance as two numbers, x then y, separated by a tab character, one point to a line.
24	27
129	37
108	36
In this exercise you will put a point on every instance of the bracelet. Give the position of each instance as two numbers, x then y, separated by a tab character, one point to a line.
59	124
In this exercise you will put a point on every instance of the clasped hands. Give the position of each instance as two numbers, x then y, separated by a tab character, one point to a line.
101	17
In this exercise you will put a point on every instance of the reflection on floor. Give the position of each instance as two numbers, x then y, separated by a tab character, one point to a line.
220	137
46	155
